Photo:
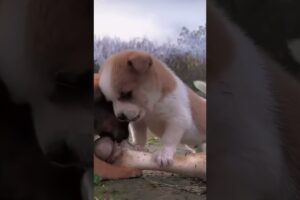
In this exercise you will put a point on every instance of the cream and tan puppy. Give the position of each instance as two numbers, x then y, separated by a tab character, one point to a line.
147	93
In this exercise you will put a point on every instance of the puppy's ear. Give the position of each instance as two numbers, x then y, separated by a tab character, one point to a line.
139	62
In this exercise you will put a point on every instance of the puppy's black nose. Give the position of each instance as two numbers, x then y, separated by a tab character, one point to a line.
122	117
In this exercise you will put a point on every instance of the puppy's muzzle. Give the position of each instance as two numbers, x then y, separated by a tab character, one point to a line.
123	117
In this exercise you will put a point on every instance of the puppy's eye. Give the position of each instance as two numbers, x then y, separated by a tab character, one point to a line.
125	95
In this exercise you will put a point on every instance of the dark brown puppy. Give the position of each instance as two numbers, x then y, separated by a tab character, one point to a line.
107	125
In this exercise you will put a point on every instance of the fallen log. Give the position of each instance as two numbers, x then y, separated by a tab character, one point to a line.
192	165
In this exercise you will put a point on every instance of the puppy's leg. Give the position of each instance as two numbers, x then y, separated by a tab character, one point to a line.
170	139
109	171
139	134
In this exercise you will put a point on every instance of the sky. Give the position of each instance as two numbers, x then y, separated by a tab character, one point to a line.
158	20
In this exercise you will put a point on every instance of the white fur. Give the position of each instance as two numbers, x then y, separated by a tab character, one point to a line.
175	107
175	111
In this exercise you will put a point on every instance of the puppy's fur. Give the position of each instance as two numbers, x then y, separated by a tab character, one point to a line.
105	122
46	47
253	118
107	125
46	60
147	93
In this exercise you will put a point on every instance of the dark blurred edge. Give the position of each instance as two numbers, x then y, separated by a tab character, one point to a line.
271	24
237	171
46	99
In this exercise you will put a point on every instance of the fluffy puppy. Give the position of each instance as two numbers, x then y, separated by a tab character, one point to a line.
46	66
107	125
147	93
105	122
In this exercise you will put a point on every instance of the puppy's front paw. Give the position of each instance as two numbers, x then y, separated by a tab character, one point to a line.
164	156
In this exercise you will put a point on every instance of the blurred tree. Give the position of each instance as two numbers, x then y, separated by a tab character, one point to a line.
193	41
187	57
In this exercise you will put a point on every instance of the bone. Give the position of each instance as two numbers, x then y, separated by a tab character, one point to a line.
192	165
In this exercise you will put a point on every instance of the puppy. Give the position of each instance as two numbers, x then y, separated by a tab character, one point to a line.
253	118
145	92
46	66
50	70
107	125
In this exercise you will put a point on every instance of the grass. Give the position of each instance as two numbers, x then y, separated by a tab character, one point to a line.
153	141
97	180
101	192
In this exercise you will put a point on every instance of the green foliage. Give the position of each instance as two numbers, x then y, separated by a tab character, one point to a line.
152	141
97	180
187	67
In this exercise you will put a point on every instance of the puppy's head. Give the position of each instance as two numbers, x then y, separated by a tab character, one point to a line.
105	123
128	79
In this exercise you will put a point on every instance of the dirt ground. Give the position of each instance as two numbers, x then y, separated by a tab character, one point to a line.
152	185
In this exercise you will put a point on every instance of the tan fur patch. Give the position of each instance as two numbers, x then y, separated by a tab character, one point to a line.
126	78
198	108
123	78
167	80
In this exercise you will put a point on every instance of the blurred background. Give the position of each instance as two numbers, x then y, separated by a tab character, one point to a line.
173	31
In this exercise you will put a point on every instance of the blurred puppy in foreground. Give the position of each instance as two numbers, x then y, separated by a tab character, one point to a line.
46	59
253	118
